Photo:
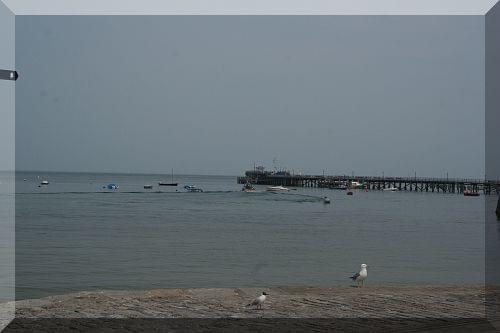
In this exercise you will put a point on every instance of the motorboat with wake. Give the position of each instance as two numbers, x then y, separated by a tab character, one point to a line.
192	188
277	189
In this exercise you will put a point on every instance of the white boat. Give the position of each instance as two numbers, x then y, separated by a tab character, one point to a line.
44	182
326	200
338	187
277	189
355	184
192	188
393	189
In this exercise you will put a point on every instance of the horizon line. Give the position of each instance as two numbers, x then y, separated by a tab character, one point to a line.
119	172
228	175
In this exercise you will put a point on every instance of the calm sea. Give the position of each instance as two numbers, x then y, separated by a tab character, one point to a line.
72	235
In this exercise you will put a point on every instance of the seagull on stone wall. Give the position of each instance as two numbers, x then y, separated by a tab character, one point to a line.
361	276
258	301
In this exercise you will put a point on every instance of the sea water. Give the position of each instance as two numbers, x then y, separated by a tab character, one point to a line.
73	235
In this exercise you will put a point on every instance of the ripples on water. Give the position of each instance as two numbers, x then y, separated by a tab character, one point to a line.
71	235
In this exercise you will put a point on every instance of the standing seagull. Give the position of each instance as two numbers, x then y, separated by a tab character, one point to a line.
361	276
259	301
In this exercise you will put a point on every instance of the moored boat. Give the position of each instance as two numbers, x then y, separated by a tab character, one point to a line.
356	185
392	189
172	183
167	184
469	193
148	187
338	186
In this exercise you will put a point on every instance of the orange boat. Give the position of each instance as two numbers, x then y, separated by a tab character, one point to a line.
248	188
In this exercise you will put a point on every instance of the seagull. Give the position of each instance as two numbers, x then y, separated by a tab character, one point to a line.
361	276
259	301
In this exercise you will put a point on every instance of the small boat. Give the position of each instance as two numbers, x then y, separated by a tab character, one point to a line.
355	184
326	200
111	186
192	188
469	193
168	184
148	187
44	182
392	189
248	188
349	193
338	187
277	189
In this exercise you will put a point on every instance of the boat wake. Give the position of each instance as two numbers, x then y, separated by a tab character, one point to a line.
258	195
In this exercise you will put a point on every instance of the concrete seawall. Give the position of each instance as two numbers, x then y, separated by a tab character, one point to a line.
416	306
298	302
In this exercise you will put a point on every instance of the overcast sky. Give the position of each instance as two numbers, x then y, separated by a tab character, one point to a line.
213	95
7	94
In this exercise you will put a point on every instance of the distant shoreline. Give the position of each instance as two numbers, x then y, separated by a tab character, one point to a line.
119	173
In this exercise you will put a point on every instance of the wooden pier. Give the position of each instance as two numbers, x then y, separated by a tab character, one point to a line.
497	211
440	185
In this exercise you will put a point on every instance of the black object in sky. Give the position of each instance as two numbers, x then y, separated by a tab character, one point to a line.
6	74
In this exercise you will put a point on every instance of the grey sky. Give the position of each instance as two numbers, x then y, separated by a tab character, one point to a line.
255	7
7	95
493	98
212	95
